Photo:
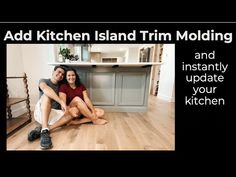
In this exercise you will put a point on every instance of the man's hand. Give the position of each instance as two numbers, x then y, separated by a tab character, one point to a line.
63	106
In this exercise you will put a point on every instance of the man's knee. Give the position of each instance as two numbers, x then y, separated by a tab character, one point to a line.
45	100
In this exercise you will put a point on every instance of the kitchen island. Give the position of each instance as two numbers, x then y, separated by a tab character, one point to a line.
116	87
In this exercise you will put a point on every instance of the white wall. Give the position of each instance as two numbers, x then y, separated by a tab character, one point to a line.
132	55
35	59
173	94
15	68
14	60
167	74
32	59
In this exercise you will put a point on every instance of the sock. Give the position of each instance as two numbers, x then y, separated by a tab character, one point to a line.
44	129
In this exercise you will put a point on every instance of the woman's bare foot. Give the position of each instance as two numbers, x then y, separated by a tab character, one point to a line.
100	121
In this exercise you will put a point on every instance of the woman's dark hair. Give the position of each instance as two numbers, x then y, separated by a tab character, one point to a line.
77	80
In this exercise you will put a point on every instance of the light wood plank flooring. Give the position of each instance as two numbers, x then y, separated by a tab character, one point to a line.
153	130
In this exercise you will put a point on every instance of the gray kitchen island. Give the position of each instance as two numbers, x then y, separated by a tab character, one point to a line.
116	87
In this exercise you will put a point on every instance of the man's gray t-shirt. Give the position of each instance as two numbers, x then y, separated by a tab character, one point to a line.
55	87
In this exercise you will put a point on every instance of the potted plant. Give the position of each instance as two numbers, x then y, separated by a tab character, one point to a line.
65	52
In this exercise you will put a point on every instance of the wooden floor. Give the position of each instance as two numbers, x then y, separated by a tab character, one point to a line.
153	130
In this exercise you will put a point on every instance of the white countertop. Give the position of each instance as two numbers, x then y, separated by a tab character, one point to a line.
107	64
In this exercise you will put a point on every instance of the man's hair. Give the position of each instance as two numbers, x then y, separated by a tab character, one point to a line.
59	66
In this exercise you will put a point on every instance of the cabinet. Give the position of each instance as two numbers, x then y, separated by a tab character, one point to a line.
15	123
119	89
131	88
102	88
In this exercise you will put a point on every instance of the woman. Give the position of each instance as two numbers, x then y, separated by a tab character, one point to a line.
74	94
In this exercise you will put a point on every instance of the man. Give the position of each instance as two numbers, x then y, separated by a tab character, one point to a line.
50	111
